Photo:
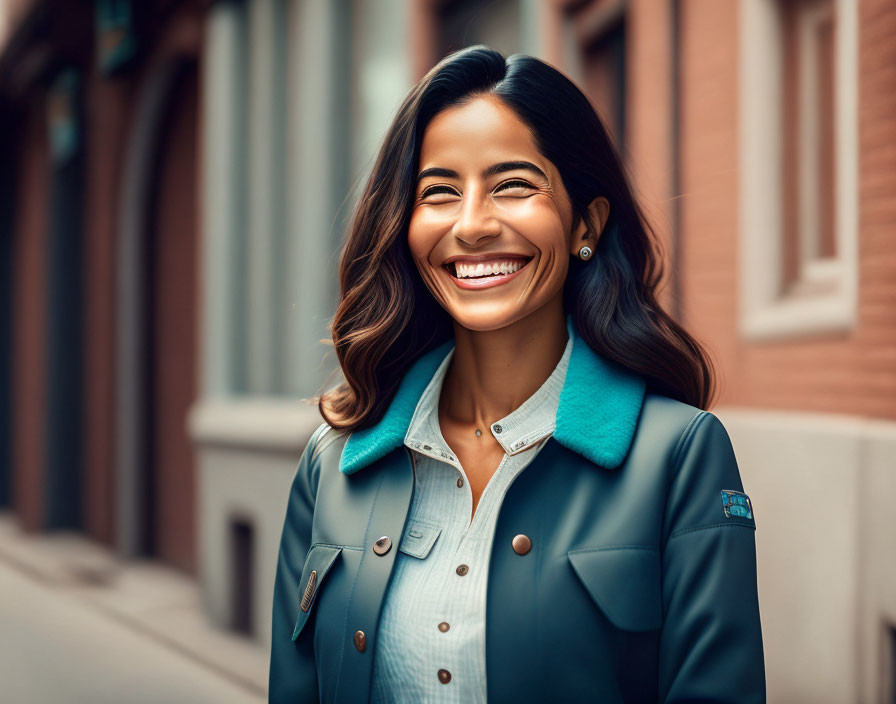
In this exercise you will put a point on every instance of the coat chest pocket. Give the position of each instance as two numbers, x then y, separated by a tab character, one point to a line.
624	582
318	562
419	538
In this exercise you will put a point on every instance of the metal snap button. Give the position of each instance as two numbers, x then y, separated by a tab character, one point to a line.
383	545
360	641
521	544
444	676
460	482
497	428
462	570
444	626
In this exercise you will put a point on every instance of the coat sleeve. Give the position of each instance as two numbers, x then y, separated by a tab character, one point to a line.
711	641
293	672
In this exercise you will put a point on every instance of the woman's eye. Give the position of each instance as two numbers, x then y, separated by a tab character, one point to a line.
513	184
436	189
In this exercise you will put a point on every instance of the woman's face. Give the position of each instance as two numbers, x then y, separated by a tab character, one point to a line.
485	196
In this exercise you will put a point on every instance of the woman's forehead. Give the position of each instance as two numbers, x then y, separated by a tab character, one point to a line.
482	131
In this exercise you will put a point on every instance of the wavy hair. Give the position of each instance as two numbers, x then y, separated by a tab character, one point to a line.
387	318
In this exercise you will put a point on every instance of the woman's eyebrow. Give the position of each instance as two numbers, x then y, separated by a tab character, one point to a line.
490	171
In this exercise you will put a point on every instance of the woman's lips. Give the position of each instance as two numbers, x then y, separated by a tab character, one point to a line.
484	281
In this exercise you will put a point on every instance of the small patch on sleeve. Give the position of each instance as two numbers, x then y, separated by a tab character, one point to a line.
736	504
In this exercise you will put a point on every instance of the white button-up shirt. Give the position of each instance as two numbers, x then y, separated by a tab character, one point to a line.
431	637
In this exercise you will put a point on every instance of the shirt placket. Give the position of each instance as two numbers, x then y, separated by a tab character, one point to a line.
461	576
447	634
464	598
453	628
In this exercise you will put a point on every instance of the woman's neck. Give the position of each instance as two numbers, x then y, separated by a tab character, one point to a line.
493	372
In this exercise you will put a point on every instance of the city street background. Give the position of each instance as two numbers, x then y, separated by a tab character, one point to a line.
176	180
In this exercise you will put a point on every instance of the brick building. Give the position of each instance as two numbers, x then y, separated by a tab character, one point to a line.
178	177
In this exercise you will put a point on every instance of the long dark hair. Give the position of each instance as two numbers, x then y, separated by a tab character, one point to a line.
387	318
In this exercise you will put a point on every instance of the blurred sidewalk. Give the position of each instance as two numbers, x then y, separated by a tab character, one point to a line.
80	625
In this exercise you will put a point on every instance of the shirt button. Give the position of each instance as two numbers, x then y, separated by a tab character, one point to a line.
460	482
444	676
383	545
462	570
497	428
521	544
443	626
360	641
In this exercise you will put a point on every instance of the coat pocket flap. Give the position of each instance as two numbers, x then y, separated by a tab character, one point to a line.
624	582
419	538
318	562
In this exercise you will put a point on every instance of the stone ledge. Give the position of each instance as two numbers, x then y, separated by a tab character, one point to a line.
260	423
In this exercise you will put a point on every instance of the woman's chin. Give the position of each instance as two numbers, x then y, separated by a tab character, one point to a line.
486	318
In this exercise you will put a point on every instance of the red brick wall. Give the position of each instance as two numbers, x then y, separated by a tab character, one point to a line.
852	372
650	118
709	185
29	319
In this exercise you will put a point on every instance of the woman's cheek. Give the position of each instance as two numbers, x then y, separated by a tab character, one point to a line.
423	235
427	273
517	206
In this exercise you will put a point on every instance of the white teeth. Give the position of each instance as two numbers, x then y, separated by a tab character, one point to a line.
487	268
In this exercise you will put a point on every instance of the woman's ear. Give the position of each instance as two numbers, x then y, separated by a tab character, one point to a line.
590	227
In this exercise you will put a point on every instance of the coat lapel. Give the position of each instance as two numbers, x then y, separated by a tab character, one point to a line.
387	492
598	412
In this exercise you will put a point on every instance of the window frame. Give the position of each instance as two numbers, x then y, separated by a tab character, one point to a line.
824	298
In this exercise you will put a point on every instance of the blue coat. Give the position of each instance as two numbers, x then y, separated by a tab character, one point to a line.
640	584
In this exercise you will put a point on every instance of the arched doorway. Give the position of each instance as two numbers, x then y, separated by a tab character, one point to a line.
172	321
157	340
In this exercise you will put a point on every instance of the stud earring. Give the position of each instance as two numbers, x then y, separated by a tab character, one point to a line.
585	253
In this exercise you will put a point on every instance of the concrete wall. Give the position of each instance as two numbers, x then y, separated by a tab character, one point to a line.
822	489
247	459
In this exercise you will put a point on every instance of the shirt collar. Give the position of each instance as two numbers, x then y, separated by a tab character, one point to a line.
516	432
597	411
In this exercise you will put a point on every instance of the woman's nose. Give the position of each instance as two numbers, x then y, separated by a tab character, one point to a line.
476	221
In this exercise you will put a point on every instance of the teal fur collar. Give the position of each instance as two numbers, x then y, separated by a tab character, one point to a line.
599	407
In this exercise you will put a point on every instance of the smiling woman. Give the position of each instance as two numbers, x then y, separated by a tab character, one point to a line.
485	159
492	202
522	421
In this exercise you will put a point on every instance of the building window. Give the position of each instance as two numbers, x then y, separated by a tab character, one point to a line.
605	69
891	676
597	29
809	248
242	561
798	161
496	23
